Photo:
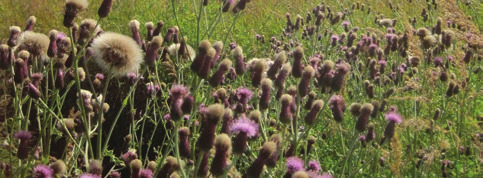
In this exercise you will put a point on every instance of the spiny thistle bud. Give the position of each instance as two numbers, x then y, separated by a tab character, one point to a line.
312	115
105	8
227	121
339	76
256	168
30	23
298	55
363	118
52	50
152	50
468	56
355	109
337	105
184	146
219	162
257	72
117	53
303	87
286	113
59	167
136	166
23	150
371	135
282	76
207	135
199	60
265	97
157	30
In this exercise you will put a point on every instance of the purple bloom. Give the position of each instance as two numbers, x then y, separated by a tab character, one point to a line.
313	166
245	125
345	23
178	91
362	138
129	156
23	135
438	61
244	95
394	117
42	171
294	164
145	173
87	175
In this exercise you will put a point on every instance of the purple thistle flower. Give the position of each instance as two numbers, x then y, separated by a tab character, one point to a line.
42	171
394	117
244	95
362	138
178	92
115	175
334	38
245	125
129	156
438	62
145	173
294	164
23	136
313	166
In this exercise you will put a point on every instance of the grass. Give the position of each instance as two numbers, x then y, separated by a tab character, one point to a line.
423	145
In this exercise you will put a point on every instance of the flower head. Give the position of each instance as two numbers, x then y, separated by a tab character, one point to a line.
294	164
245	125
244	95
34	43
394	117
117	53
23	135
42	171
88	175
313	166
145	173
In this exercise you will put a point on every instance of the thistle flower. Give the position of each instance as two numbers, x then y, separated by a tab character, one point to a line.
371	135
4	57
95	167
256	168
72	8
14	35
298	55
88	27
117	53
303	87
89	175
134	27
184	146
21	70
282	76
363	118
145	173
23	149
334	38
286	113
152	50
157	30
337	105
198	61
219	162
326	74
207	135
257	72
264	103
217	77
244	128
339	76
42	171
312	115
293	165
393	118
129	156
105	8
35	43
243	95
59	167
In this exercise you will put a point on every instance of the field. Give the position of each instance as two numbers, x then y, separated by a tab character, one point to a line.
241	88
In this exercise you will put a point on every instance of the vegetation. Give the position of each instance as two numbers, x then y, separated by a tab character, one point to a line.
242	88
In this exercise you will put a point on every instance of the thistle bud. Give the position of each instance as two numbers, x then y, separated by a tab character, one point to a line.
213	116
264	103
59	81
134	27
184	146
298	55
355	109
337	105
14	36
198	62
256	168
339	76
393	118
33	91
23	149
59	167
72	8
152	50
312	115
286	113
222	146
363	118
21	70
437	114
257	72
303	87
52	50
240	67
227	121
105	8
218	48
282	76
158	28
95	167
371	135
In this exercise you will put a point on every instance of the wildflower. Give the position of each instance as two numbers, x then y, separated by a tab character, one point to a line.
334	38
363	118
117	53
145	173
198	61
222	146
23	136
468	56
282	76
217	77
72	8
320	17
244	128
115	174
257	72
256	168
337	105
298	55
4	57
105	8
339	76
52	49
212	117
286	113
393	118
168	167
310	100
312	115
129	156
346	24
34	43
303	87
89	175
293	165
244	95
184	146
264	103
152	50
42	171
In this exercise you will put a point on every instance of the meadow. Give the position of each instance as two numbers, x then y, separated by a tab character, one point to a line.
241	88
